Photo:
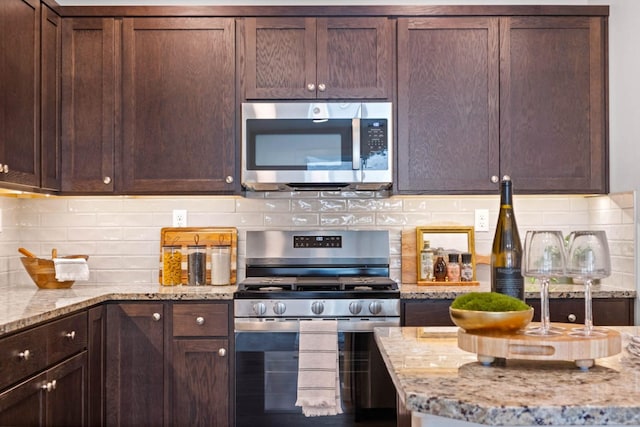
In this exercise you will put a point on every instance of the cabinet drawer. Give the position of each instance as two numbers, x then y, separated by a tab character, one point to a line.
200	320
66	337
22	355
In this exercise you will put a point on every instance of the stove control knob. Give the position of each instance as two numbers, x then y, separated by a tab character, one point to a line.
375	307
259	308
355	307
279	308
317	307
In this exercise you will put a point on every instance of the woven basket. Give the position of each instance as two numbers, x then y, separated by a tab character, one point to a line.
43	272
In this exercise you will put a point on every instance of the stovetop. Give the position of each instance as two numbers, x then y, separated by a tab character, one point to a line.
317	284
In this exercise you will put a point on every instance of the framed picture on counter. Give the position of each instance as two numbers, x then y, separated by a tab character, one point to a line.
451	239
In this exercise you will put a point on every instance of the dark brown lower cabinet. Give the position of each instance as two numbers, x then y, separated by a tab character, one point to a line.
56	397
135	365
168	364
606	311
200	383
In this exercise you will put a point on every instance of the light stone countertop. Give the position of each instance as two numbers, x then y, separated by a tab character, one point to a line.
435	379
23	306
412	291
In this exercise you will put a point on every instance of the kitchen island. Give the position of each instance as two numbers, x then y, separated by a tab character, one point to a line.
441	385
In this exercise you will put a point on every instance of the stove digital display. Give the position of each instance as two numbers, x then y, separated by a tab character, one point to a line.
317	241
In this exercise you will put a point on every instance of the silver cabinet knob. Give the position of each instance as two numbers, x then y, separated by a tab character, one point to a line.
200	320
229	179
71	335
24	355
571	318
495	179
222	352
311	87
5	169
50	386
322	87
106	180
156	316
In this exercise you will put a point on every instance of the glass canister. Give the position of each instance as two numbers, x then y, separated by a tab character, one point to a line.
220	265
197	265
171	265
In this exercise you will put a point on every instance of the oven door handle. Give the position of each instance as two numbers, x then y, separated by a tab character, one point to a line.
293	325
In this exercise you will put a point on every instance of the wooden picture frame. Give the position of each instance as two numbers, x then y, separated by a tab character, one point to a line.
450	238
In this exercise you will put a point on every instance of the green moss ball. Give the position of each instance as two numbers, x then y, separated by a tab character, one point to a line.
488	301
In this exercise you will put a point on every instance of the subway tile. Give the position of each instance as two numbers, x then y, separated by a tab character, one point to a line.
623	200
333	220
68	220
262	205
291	220
390	205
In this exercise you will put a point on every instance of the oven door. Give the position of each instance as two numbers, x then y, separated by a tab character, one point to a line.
266	382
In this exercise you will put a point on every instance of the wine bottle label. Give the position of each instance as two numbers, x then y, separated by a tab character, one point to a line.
508	281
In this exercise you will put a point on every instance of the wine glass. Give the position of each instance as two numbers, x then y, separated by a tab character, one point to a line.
543	258
588	259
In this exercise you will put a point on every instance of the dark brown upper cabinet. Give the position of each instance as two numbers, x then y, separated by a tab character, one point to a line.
20	92
89	76
318	58
448	108
178	83
553	104
50	56
479	98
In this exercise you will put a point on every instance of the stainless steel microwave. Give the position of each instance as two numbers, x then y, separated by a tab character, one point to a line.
317	146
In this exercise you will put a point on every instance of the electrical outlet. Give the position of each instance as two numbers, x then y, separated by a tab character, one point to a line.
482	220
179	217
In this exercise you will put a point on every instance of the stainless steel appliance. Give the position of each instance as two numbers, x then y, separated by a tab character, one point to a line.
322	145
297	276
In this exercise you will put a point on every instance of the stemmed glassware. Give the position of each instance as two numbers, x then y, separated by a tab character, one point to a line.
588	259
544	258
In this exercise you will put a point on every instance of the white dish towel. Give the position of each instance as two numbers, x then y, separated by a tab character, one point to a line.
71	269
318	372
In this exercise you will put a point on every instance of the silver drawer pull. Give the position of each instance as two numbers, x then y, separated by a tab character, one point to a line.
50	386
71	335
156	316
200	320
222	352
571	318
24	355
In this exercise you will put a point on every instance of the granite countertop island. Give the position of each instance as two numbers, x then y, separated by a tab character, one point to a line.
442	385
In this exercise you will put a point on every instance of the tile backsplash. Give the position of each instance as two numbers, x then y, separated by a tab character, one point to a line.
121	234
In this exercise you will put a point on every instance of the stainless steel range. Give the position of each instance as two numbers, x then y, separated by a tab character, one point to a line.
296	276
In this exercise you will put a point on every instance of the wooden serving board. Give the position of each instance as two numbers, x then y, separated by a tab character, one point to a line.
516	345
206	236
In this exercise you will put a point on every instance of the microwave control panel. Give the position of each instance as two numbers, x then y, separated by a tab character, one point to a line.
374	144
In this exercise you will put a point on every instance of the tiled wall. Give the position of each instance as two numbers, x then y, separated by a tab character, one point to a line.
121	234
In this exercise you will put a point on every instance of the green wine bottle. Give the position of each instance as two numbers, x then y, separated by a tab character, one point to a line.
506	253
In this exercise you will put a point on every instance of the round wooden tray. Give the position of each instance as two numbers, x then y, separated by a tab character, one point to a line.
490	345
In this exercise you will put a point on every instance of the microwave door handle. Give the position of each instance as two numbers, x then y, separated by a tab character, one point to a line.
355	137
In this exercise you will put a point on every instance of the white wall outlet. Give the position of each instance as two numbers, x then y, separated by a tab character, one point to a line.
482	220
179	217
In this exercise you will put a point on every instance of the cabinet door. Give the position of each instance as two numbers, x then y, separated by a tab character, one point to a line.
51	30
606	311
200	386
178	105
66	399
88	104
96	360
447	105
552	103
20	92
23	405
354	58
280	58
426	313
135	365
